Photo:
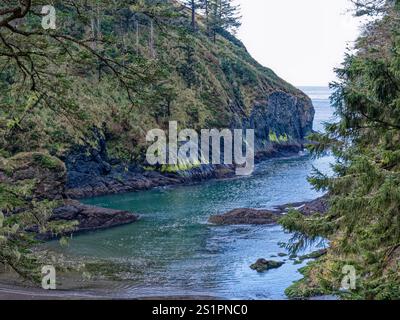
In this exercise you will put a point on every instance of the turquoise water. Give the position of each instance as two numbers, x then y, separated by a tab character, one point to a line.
176	252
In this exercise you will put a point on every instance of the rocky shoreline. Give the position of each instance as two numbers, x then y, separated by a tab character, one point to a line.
91	172
92	218
246	216
89	218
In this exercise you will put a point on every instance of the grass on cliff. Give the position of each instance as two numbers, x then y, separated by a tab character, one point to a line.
183	76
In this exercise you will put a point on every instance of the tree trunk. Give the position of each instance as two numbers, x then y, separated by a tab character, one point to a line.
193	15
207	17
152	49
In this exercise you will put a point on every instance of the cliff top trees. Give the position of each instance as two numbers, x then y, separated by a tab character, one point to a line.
193	5
221	15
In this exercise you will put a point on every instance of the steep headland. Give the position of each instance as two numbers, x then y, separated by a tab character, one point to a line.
210	85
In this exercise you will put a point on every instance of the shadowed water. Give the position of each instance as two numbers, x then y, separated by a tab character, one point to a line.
176	252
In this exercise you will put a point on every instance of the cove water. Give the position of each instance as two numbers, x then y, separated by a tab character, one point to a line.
175	252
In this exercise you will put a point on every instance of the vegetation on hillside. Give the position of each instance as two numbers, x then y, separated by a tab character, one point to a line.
116	67
363	223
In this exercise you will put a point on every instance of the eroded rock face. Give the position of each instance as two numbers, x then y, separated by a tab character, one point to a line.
245	216
281	121
91	172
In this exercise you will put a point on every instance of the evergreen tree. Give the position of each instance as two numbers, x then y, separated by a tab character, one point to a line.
221	15
193	5
363	222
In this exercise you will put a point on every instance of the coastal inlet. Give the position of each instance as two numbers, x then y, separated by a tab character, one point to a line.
175	251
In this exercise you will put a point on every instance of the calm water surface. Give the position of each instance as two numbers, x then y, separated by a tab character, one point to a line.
175	251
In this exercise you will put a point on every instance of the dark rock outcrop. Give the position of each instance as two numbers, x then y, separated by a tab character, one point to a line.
89	218
45	178
245	216
259	217
263	265
91	172
281	123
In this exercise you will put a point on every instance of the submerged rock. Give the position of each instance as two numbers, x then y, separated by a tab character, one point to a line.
263	265
245	216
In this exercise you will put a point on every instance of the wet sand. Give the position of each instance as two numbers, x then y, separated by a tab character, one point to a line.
13	292
8	292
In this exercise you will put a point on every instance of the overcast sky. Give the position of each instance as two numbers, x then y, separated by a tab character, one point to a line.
302	41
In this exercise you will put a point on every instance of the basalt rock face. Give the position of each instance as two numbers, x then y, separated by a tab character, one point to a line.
91	172
284	118
281	121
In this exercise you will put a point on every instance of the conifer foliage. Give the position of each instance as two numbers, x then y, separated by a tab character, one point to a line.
363	222
221	15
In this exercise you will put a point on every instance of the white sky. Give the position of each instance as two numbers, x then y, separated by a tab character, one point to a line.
302	41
